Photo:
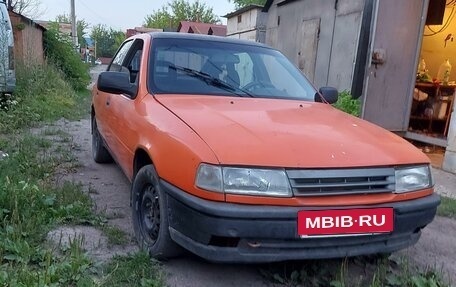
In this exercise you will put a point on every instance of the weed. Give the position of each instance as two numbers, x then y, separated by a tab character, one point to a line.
306	273
447	207
71	269
29	207
372	271
54	132
59	51
347	104
42	95
115	235
133	270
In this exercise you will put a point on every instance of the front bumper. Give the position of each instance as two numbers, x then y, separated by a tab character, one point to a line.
226	232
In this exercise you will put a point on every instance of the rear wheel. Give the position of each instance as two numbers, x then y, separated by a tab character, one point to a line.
99	152
150	215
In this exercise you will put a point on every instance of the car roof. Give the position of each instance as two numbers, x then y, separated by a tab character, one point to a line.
199	37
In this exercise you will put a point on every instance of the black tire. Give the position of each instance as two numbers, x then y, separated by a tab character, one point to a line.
150	216
99	152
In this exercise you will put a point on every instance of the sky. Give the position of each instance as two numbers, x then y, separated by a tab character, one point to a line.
118	14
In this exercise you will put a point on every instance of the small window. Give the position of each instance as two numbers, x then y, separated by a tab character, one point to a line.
116	64
133	60
239	18
278	20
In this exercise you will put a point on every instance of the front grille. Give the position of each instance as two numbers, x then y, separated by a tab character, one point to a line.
321	182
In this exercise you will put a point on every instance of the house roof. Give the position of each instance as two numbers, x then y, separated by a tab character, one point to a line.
201	28
63	27
217	31
27	20
280	3
242	10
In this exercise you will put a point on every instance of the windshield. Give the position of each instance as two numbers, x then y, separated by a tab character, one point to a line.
188	66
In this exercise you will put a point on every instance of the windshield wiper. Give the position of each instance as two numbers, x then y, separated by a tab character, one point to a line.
212	81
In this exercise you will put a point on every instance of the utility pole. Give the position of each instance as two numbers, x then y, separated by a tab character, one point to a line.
74	32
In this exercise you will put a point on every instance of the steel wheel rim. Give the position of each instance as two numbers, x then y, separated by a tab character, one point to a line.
149	214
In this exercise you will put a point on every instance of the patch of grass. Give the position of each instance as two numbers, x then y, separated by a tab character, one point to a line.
54	132
42	96
115	235
372	271
31	204
60	51
347	104
447	207
73	268
134	270
29	207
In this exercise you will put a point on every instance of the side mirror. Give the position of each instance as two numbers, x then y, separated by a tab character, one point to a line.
116	83
329	95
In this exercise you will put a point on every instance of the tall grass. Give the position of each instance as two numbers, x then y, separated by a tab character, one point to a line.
42	95
31	204
29	207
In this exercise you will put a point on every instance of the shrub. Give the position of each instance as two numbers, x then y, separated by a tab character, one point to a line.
347	104
60	52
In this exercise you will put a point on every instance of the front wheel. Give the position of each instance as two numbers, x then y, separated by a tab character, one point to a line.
150	215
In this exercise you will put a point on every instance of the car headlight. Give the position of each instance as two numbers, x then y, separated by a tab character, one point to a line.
413	178
247	181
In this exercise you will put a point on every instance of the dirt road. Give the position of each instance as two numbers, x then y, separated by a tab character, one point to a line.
436	248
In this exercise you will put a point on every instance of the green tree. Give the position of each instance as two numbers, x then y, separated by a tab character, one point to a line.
81	27
243	3
170	14
107	40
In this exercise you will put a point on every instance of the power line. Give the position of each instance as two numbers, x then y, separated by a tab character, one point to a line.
88	8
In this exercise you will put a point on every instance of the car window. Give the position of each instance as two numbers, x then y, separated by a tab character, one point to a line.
136	61
278	75
116	65
133	60
188	66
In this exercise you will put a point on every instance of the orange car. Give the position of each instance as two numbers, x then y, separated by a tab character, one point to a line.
234	156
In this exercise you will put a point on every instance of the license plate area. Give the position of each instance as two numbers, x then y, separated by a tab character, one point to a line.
345	222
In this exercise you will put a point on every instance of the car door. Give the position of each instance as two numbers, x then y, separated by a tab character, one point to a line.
102	100
122	110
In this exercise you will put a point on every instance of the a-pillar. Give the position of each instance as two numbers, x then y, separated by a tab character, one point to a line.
449	162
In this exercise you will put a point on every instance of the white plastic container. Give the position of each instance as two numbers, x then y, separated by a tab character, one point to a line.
422	67
444	72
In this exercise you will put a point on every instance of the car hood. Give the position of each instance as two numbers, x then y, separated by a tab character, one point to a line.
287	133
